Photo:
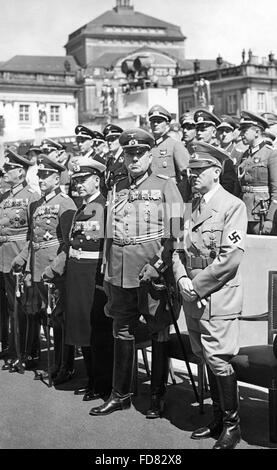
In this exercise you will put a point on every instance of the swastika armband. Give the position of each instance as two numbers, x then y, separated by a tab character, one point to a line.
159	265
235	237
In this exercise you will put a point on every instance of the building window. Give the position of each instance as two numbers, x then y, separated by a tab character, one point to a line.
24	113
55	114
261	102
232	104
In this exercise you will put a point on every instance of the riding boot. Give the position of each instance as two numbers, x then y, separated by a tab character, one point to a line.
120	398
66	371
228	391
32	355
215	427
89	391
159	376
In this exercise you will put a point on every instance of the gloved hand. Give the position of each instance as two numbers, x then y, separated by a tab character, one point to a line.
148	273
48	274
267	228
18	263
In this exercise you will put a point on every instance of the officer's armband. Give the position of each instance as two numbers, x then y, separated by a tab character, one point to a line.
158	264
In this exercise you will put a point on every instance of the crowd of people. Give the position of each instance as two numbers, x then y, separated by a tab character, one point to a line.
111	227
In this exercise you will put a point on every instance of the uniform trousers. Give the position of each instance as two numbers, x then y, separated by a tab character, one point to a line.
214	341
126	306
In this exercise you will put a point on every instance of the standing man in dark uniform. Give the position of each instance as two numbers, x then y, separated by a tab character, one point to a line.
226	137
258	175
206	269
189	131
4	316
85	322
116	169
50	220
13	236
206	130
84	137
170	158
139	228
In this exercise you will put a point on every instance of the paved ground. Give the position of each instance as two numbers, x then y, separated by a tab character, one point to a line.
36	417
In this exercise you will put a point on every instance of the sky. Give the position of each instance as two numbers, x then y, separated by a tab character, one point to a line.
212	27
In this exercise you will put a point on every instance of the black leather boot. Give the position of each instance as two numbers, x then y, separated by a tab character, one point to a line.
215	427
159	376
231	434
89	391
120	398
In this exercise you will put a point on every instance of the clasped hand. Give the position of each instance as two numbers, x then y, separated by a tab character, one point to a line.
188	293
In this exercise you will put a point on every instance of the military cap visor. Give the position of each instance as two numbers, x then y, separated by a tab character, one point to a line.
206	155
136	138
112	130
159	111
13	160
51	144
45	163
249	119
202	116
84	132
86	166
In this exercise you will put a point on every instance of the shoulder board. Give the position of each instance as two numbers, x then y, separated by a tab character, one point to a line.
163	177
64	195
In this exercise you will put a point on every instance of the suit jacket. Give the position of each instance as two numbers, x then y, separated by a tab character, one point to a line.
215	238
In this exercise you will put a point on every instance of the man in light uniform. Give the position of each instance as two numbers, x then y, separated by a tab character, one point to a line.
206	269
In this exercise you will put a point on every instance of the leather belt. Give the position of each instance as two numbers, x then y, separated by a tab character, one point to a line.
46	244
12	238
196	262
255	189
78	254
136	240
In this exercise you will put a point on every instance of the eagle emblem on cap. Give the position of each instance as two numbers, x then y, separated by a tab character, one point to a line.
76	167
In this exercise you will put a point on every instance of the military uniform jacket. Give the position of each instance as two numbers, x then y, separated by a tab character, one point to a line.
210	255
50	222
116	169
138	227
257	172
170	157
14	223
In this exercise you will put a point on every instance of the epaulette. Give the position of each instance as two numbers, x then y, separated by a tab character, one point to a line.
163	177
64	195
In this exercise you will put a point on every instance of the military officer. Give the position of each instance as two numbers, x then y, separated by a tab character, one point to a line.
206	269
13	233
49	223
226	137
139	226
56	151
84	137
116	169
206	131
170	158
189	131
258	175
85	322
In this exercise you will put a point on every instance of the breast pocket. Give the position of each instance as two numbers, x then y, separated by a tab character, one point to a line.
212	235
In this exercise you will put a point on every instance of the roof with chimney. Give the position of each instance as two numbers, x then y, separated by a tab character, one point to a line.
40	64
119	22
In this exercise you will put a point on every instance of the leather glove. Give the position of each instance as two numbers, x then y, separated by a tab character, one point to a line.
148	273
18	263
48	274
